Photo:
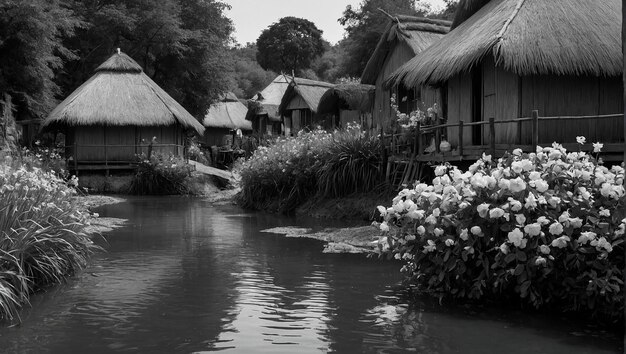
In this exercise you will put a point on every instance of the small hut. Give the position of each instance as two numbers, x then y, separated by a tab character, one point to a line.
115	115
404	37
348	103
504	59
299	105
223	119
263	108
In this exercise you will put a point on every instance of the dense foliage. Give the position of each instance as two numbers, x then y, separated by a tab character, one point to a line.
290	44
247	77
42	231
293	169
546	228
162	174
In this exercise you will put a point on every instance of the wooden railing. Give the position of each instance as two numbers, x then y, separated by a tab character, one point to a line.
138	148
421	131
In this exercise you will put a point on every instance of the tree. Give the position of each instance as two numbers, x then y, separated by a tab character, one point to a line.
31	43
181	44
290	44
247	78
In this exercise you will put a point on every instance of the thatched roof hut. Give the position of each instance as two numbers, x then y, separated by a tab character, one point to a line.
119	94
531	37
505	59
267	101
353	97
116	113
307	92
229	113
404	37
224	118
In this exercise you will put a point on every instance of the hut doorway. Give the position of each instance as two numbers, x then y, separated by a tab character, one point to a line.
477	98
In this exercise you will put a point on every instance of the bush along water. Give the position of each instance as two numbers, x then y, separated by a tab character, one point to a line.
161	174
544	228
291	170
42	231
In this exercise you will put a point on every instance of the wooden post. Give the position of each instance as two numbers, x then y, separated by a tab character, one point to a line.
75	156
420	144
437	139
416	138
461	138
535	129
519	132
492	134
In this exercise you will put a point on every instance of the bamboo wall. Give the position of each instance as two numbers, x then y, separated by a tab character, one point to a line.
122	142
459	107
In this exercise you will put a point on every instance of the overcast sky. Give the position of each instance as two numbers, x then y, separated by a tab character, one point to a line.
250	17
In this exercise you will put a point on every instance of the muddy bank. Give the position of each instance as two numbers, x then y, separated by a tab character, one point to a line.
361	239
97	224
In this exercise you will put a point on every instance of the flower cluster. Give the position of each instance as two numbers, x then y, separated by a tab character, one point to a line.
413	118
543	225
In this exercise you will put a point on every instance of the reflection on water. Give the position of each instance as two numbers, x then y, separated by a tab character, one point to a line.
187	277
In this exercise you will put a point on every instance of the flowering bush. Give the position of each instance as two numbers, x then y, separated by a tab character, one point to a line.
547	227
42	237
411	119
161	174
293	169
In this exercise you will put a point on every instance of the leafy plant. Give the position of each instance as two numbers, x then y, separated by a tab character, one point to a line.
160	174
545	227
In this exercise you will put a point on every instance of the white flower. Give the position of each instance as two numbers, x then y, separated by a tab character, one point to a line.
520	219
540	261
556	228
431	220
421	230
384	227
586	237
531	202
415	214
436	212
440	170
516	237
382	210
504	248
409	237
430	247
438	232
543	220
533	229
463	235
597	147
541	185
517	185
533	176
517	152
545	249
496	213
515	205
516	166
601	244
449	242
476	230
560	242
581	140
483	210
605	212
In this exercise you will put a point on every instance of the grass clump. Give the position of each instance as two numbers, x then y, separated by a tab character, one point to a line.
291	170
161	174
42	233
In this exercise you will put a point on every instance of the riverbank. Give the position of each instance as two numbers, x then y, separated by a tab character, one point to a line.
97	224
359	239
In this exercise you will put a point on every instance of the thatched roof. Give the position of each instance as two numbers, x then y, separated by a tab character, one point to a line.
527	37
358	97
228	113
311	92
119	93
418	32
267	101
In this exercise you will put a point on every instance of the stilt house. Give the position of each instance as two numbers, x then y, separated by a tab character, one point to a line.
223	119
504	59
115	114
404	37
299	105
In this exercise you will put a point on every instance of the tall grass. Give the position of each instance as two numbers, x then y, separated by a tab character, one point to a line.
42	233
285	174
161	174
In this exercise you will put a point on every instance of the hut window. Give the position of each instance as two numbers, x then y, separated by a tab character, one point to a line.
406	99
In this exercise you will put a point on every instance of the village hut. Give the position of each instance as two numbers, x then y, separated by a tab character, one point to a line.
223	119
403	38
299	105
115	115
506	58
263	108
347	103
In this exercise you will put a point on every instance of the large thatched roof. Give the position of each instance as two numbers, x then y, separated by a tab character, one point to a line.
527	37
310	91
358	97
119	93
267	101
418	32
228	113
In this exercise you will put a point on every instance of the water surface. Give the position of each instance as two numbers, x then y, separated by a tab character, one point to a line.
187	277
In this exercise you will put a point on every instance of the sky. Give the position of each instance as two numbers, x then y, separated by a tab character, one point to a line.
250	17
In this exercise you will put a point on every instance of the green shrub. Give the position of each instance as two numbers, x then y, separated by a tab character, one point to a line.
546	228
42	237
161	174
294	169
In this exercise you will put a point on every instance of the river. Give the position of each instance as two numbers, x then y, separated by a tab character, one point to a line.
185	276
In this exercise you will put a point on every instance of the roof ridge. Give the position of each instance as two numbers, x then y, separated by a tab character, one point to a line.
509	20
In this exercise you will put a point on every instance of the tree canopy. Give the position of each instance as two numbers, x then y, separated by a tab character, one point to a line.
290	44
